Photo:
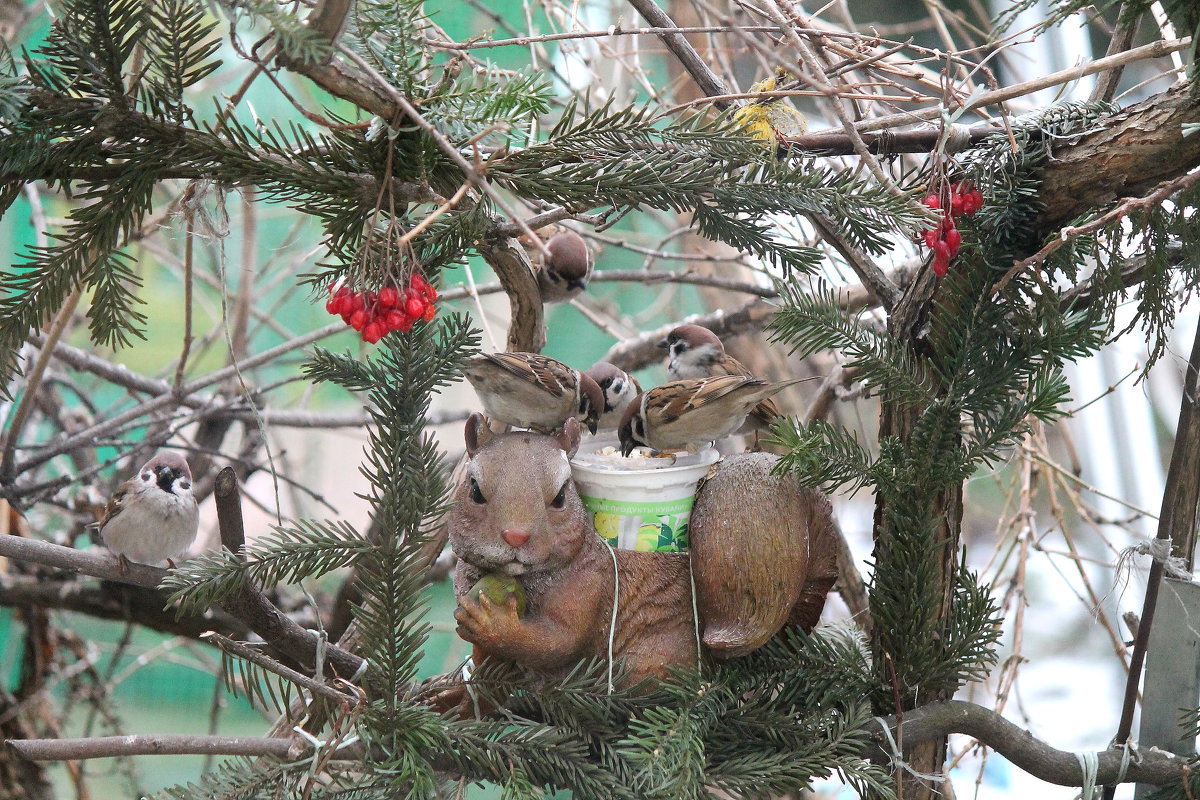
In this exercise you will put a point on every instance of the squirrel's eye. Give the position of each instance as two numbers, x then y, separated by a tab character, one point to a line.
476	494
560	499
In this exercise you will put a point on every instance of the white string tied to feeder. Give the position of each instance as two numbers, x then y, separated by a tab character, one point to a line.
1089	765
897	760
612	623
1160	551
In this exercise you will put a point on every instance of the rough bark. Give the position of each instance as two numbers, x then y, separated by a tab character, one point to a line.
1126	156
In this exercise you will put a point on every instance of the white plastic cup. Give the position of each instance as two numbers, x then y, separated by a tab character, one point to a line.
639	503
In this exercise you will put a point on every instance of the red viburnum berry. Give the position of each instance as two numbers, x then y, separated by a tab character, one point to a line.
358	319
373	332
953	239
941	258
932	201
972	202
389	297
414	304
430	310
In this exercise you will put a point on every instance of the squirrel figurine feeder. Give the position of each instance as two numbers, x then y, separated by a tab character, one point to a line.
762	549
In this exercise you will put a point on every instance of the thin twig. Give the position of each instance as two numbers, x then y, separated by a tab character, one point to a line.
996	96
101	428
705	78
152	745
1070	234
33	381
244	651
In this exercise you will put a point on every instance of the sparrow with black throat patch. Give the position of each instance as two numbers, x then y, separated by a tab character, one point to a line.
153	516
528	390
696	352
686	414
619	388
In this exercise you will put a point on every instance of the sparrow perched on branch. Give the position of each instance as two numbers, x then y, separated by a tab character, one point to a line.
684	415
696	352
619	388
527	390
566	267
153	516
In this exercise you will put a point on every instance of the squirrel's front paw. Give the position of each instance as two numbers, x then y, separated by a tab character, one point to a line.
487	624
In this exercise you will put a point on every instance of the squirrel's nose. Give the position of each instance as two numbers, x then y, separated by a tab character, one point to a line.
514	538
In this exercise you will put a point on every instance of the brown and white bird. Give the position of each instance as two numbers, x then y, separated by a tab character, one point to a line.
619	388
527	390
153	516
684	415
566	267
696	352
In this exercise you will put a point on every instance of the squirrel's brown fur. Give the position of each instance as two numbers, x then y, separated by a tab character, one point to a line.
510	518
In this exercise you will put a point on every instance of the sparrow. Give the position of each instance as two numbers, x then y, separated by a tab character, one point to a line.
527	390
696	352
619	388
566	267
153	516
684	415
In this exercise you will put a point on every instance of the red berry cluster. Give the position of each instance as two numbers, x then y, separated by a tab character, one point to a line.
376	314
945	239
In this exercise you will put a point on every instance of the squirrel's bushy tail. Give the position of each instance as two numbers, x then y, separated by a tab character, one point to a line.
763	554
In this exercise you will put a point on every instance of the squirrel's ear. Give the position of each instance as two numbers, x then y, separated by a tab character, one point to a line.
477	433
568	437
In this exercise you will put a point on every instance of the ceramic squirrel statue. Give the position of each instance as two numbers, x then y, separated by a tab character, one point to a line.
762	548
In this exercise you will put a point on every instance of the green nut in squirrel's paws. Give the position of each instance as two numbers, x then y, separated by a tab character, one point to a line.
497	588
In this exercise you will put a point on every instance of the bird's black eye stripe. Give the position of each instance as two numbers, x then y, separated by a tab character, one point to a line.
185	484
147	476
560	499
476	494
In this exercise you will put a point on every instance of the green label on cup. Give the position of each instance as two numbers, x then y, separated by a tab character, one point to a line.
657	527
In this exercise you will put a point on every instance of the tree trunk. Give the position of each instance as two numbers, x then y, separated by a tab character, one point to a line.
906	323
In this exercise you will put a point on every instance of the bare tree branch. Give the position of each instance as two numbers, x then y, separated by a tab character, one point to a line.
156	745
937	720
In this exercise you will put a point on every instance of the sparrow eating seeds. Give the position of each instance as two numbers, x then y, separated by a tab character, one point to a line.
684	415
619	388
696	352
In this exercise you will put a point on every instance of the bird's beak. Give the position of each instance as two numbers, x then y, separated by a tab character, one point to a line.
663	344
627	446
577	283
592	424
